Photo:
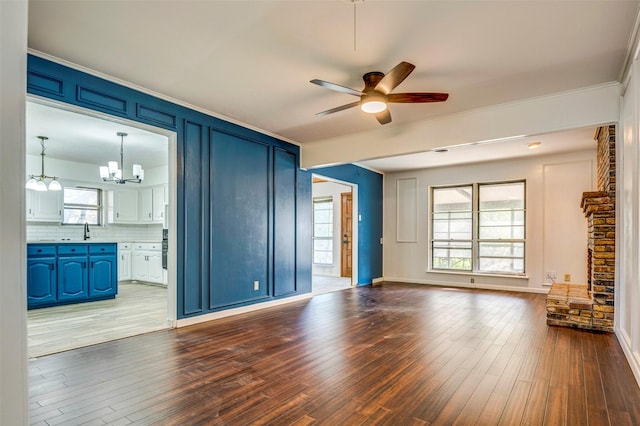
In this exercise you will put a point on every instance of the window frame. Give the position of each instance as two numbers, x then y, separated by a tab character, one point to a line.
476	241
89	207
328	199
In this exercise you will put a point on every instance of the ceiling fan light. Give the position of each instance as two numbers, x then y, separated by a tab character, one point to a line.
54	185
373	106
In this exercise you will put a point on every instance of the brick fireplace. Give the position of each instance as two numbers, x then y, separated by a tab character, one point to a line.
591	305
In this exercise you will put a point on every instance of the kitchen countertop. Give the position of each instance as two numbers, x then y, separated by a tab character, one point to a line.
90	241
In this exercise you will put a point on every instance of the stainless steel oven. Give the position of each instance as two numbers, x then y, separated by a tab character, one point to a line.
165	247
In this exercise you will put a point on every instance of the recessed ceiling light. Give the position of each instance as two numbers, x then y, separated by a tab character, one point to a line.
534	145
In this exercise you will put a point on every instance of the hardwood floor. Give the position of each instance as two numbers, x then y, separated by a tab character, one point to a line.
397	354
138	308
321	284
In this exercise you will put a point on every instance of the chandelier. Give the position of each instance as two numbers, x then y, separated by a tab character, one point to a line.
37	183
114	171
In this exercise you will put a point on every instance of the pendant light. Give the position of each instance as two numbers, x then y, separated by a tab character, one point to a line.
114	171
37	183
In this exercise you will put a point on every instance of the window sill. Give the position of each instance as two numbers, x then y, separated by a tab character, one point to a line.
478	274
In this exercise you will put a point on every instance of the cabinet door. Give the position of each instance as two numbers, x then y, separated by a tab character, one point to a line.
146	205
154	259
73	277
124	265
102	275
158	203
44	206
41	281
140	266
125	206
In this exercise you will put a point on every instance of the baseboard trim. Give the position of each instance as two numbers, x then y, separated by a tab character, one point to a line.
240	310
468	285
633	358
377	281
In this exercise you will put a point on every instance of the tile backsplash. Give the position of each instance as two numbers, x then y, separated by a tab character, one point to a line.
112	232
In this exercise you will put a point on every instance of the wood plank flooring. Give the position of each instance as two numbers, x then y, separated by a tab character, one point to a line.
397	354
138	308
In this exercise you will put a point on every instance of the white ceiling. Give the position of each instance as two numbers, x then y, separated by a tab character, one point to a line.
252	61
90	140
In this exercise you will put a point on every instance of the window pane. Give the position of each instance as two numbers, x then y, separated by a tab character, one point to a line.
452	255
502	196
326	245
501	257
323	257
323	230
80	216
86	196
452	199
82	205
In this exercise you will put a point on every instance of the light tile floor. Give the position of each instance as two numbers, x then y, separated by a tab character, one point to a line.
138	308
324	284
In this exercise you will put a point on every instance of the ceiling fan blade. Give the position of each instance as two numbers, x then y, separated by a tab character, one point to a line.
340	108
394	77
337	87
384	117
409	98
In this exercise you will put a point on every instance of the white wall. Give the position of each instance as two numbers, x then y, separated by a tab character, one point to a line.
13	324
552	181
332	189
627	297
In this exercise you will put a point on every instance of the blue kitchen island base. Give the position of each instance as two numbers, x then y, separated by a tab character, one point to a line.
65	273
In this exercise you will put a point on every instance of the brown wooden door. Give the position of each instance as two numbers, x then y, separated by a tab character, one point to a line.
346	215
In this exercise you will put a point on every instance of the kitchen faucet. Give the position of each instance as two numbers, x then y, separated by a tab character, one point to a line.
86	231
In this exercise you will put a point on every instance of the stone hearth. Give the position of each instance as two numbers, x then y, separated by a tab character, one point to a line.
591	305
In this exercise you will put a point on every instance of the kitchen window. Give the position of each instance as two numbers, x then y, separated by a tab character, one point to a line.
82	205
479	227
323	230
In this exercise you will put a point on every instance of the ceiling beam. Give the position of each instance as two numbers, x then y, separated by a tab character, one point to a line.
590	106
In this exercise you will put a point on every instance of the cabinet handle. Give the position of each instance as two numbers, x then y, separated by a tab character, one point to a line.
149	214
84	265
52	267
92	264
59	212
29	211
118	214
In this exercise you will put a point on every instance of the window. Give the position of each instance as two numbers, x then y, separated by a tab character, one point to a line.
479	228
323	230
82	205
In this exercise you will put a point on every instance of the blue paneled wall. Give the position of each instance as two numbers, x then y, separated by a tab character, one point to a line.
370	211
243	204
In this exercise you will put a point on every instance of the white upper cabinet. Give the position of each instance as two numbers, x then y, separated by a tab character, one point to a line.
44	206
146	205
159	200
122	206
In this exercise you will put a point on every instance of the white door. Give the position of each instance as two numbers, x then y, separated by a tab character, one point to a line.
126	206
158	203
124	265
146	205
155	266
140	266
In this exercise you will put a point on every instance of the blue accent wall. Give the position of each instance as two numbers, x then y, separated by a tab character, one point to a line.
370	210
243	203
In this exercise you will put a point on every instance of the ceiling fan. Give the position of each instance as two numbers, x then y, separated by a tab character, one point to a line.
377	92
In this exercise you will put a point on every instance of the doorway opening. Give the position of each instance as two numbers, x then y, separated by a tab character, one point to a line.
334	235
79	142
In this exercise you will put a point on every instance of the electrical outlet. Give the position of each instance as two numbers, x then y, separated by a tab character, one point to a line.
473	280
256	285
550	276
567	277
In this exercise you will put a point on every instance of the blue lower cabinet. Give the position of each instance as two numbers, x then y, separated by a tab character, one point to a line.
59	274
41	276
73	278
102	275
